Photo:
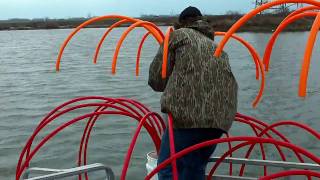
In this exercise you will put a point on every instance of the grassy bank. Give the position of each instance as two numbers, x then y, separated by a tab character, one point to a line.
261	23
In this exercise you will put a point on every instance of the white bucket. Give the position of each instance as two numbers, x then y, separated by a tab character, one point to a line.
152	159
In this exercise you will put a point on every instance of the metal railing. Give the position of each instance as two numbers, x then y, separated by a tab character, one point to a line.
257	162
63	173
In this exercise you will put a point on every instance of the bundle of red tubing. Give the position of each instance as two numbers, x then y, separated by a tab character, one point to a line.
154	124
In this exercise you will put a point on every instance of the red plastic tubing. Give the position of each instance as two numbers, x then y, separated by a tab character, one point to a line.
46	120
53	133
67	110
172	147
248	140
133	143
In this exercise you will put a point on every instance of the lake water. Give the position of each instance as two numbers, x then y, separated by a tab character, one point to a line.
30	88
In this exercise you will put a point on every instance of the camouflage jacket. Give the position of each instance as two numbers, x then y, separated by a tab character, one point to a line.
200	91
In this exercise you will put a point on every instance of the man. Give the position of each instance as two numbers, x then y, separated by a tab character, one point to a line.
200	93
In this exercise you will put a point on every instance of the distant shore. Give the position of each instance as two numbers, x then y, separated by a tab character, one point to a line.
261	23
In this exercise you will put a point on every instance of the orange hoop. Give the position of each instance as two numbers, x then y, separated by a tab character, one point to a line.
166	52
139	52
157	33
280	28
107	33
96	54
258	63
254	12
251	49
307	57
301	10
148	25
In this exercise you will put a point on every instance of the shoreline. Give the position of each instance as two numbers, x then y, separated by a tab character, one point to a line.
260	23
70	28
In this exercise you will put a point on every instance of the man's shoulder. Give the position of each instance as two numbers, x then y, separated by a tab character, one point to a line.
179	37
186	34
179	33
183	32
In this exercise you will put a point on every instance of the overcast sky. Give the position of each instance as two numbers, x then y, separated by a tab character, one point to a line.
82	8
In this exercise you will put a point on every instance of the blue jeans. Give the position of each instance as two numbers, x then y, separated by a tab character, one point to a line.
193	165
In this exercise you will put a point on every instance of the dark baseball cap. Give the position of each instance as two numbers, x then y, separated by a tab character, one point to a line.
189	12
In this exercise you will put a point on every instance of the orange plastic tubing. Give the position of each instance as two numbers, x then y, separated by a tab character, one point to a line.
139	52
148	25
259	66
155	33
107	33
166	52
251	49
280	28
96	54
303	9
254	12
307	56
